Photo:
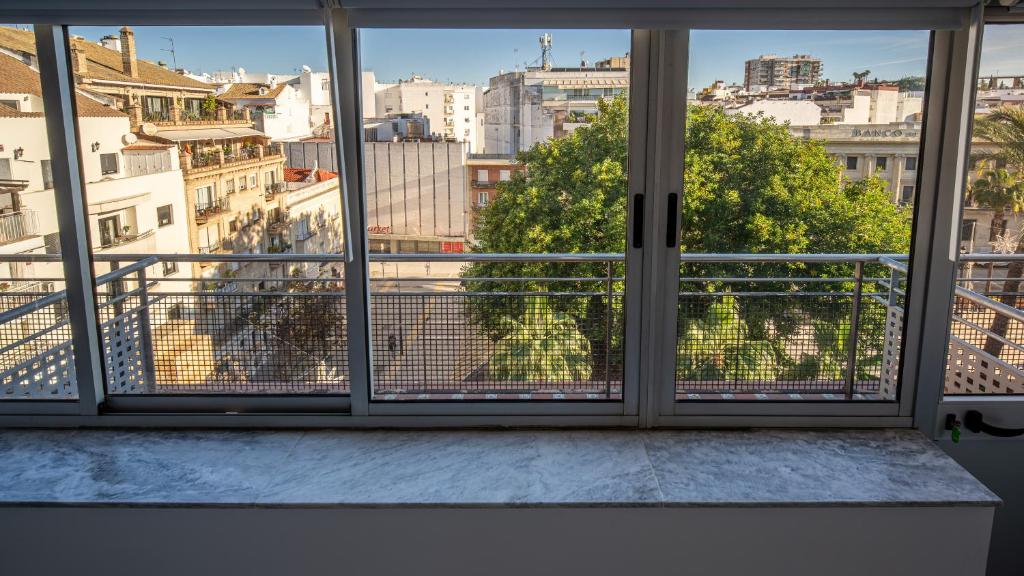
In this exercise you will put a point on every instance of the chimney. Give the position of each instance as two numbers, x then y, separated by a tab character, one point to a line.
129	63
78	61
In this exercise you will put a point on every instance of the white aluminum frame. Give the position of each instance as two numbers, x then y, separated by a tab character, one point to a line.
659	71
665	260
1006	411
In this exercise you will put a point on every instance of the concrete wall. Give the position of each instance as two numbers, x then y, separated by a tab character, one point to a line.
416	188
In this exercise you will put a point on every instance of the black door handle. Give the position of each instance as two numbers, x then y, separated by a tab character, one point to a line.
974	422
638	221
671	228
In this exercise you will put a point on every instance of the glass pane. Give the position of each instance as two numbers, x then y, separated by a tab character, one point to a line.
803	144
517	147
203	209
36	361
986	348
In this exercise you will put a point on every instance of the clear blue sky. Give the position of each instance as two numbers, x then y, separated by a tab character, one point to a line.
475	55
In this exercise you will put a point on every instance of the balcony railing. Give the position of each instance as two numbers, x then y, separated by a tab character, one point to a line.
499	327
211	207
271	190
15	226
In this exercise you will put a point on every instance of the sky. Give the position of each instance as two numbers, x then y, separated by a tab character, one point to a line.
473	56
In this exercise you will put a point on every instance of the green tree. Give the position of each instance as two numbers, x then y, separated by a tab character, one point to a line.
543	345
750	187
1004	129
1003	193
209	106
911	84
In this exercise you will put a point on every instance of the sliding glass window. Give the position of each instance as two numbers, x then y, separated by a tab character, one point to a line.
801	162
36	359
214	209
495	175
986	345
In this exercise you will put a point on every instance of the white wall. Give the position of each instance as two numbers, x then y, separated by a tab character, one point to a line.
795	112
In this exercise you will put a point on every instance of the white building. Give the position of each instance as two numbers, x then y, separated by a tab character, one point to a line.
134	188
870	105
793	112
524	108
451	108
278	110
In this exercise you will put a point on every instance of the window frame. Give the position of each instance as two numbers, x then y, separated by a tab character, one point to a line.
116	164
1002	410
341	30
170	216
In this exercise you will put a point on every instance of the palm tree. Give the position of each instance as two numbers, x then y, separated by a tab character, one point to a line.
544	346
999	191
1004	130
719	347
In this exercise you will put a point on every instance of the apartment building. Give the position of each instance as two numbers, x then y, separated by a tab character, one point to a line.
770	72
278	110
113	74
483	173
874	104
450	108
134	187
524	108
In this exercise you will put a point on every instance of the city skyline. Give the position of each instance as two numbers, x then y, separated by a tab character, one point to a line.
399	54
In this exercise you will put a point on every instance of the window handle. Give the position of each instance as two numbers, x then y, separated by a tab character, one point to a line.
672	226
975	422
638	221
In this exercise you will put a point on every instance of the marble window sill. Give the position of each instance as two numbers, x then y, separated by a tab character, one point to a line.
481	469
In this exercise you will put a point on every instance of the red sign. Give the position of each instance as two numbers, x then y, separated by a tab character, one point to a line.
378	229
452	247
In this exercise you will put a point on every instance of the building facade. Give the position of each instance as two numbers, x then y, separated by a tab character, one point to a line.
450	108
524	108
771	72
483	173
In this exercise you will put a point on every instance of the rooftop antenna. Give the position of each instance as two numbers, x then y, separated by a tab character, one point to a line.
174	56
545	51
583	60
515	58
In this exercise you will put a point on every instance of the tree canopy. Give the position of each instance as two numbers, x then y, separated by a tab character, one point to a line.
750	186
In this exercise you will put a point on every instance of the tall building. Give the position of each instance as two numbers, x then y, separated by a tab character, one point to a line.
769	72
451	108
524	108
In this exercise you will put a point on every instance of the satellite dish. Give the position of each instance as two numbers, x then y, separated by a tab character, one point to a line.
149	129
129	139
306	69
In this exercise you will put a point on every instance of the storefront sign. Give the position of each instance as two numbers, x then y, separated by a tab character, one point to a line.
884	133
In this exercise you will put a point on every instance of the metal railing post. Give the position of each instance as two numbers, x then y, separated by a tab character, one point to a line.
894	282
608	331
851	346
58	90
146	335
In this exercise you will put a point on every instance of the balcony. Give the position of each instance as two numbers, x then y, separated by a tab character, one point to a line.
272	190
16	226
219	158
443	333
206	209
125	240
